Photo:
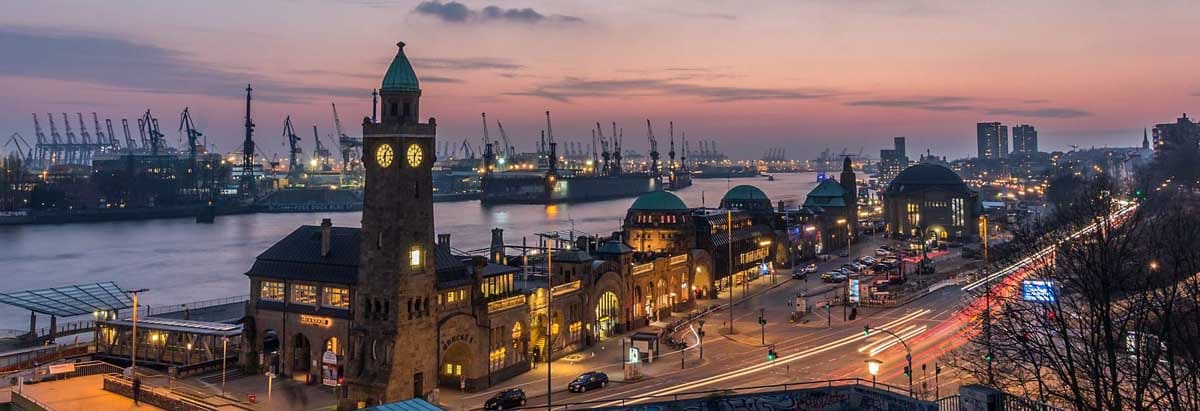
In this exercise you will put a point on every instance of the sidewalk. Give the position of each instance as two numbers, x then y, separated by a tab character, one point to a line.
80	393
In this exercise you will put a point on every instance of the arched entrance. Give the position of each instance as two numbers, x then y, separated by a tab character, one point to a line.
456	362
537	337
607	309
301	355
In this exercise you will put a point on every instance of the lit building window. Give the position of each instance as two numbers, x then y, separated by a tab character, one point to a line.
271	290
304	294
414	257
336	297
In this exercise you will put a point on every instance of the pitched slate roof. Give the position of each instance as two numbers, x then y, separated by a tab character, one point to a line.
298	256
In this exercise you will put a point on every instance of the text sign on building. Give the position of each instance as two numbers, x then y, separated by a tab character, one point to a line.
315	320
1038	291
853	284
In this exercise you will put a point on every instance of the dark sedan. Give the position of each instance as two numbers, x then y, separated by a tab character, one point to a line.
588	381
511	398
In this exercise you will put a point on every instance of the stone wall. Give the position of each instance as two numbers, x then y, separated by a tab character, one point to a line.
837	398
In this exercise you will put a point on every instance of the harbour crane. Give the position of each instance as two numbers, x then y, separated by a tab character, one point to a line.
346	143
85	138
294	150
41	141
72	151
151	132
247	184
509	150
129	143
553	145
100	136
653	148
24	150
615	167
322	152
489	156
189	128
671	154
112	138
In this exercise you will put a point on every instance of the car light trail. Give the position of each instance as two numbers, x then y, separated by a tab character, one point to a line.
784	360
903	336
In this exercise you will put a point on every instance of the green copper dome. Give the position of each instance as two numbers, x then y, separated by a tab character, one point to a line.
658	201
745	192
400	75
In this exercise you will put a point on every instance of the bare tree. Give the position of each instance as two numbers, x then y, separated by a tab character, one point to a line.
1122	330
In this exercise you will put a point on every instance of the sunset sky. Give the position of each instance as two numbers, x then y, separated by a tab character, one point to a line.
805	75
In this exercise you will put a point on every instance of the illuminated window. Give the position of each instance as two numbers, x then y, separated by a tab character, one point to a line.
272	290
414	257
451	297
336	297
332	345
304	294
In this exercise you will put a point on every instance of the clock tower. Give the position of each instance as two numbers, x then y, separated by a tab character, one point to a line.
392	353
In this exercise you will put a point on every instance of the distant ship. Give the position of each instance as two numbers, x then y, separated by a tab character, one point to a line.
562	186
725	171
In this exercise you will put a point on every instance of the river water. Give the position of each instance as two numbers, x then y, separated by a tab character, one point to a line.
181	261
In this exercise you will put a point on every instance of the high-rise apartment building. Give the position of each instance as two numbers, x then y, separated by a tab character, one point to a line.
992	140
892	161
1024	139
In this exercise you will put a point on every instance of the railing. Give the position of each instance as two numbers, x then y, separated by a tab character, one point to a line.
25	402
73	327
168	309
679	259
504	304
732	391
644	268
566	288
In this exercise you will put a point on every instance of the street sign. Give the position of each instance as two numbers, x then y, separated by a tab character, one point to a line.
1038	291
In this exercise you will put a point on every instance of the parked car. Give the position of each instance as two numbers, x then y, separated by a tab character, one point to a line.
858	267
588	381
881	267
850	267
868	260
843	253
811	268
840	278
882	252
829	276
511	398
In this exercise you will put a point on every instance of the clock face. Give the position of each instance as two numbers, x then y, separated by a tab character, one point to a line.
414	155
384	155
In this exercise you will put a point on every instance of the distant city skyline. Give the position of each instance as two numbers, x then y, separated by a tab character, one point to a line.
804	75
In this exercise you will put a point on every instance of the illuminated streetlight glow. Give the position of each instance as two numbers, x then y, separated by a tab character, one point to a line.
873	366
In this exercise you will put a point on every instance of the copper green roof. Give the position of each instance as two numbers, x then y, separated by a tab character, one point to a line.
745	192
658	201
400	75
827	194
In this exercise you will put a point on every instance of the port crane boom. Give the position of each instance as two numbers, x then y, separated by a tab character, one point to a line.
294	150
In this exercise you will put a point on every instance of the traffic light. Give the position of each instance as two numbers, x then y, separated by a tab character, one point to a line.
907	371
762	321
988	357
771	354
866	330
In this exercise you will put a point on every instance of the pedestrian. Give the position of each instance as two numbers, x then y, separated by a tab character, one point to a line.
137	390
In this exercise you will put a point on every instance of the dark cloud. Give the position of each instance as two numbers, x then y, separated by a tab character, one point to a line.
467	63
1049	112
452	12
439	79
574	87
122	64
455	12
1196	93
939	103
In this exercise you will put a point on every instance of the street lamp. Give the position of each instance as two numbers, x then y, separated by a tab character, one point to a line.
701	333
133	337
846	290
907	351
873	369
224	356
